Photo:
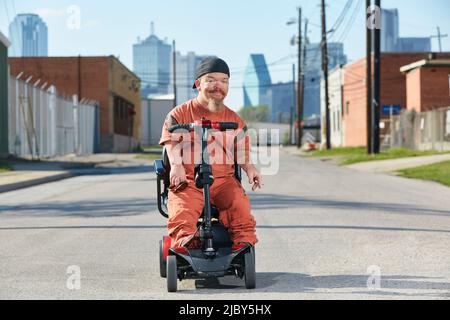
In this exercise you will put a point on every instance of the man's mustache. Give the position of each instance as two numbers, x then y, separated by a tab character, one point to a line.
217	90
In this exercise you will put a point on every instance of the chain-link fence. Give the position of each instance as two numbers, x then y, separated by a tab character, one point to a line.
44	125
421	131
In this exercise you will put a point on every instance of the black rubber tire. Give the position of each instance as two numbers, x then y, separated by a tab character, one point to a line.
172	275
250	270
162	263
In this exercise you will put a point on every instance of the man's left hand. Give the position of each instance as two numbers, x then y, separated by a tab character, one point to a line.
254	178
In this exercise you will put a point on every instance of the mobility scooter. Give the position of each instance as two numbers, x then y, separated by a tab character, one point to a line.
215	257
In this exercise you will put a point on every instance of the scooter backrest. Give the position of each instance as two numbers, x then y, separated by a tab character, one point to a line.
166	161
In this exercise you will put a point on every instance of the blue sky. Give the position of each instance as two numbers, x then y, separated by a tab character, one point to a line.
231	29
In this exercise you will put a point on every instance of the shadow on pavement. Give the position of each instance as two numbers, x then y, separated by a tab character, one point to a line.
259	227
362	228
278	282
277	201
86	209
113	170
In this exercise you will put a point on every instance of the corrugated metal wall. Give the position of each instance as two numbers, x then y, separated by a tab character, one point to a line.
44	125
3	100
154	112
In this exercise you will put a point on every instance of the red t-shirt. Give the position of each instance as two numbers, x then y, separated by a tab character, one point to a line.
221	145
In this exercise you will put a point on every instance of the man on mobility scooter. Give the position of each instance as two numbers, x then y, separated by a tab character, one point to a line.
211	228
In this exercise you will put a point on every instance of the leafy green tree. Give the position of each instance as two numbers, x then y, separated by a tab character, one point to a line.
255	114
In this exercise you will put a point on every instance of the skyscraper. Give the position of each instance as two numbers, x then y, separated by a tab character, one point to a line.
313	74
390	35
257	81
152	63
281	100
29	36
415	44
389	30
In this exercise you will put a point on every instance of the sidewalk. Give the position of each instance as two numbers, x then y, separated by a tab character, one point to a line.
293	150
27	173
380	166
390	166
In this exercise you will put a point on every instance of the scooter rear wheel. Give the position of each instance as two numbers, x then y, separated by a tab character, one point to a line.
162	263
172	274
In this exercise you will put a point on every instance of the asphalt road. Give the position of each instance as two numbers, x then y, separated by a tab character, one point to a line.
325	232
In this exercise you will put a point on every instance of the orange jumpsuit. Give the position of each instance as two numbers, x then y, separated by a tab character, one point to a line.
185	207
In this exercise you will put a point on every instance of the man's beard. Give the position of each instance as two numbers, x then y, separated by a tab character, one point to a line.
217	102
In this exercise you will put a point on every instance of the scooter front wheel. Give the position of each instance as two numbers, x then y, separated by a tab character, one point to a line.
250	270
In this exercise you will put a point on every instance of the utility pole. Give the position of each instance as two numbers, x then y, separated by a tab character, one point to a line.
302	88
369	74
325	74
439	37
299	84
376	86
291	121
174	74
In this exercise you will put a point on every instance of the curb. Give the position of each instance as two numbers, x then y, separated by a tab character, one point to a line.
35	182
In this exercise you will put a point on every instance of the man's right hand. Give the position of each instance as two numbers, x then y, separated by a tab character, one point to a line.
177	176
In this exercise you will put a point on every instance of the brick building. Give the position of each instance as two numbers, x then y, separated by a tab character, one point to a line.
427	84
103	79
393	93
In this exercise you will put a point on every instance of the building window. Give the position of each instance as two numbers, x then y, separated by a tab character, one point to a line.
122	120
347	108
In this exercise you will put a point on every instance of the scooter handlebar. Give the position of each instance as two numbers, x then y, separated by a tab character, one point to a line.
176	127
228	126
221	126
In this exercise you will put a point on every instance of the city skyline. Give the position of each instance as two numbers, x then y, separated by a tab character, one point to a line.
240	29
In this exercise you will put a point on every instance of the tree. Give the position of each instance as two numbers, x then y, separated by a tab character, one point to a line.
255	114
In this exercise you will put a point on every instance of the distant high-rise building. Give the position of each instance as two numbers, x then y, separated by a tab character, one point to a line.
186	67
29	36
281	100
389	30
390	35
313	74
257	81
152	63
414	44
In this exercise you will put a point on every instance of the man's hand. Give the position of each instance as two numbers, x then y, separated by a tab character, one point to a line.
177	177
254	177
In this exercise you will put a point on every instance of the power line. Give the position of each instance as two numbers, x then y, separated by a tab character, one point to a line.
341	17
185	77
351	22
9	20
17	31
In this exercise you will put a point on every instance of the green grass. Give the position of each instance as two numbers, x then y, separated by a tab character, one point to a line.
152	148
438	172
149	156
5	166
339	152
356	155
151	153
